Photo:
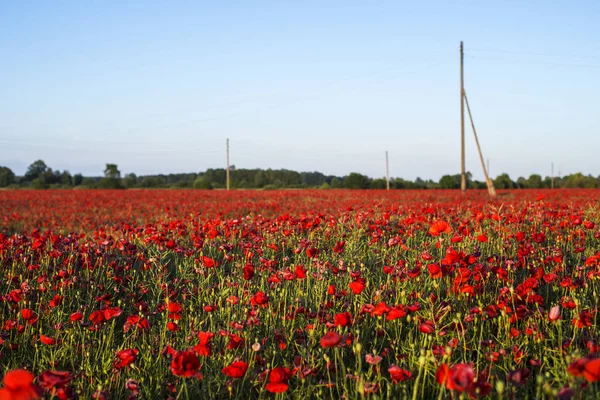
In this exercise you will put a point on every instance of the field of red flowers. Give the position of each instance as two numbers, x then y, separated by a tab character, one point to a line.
299	294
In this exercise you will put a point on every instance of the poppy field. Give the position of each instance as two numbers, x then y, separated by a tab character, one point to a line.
324	294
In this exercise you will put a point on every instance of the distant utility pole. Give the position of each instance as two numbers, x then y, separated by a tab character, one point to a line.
552	174
387	171
227	170
463	178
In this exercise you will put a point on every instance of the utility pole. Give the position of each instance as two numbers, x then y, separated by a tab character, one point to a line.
227	170
463	179
552	174
387	171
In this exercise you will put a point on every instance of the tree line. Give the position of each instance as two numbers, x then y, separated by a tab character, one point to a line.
40	176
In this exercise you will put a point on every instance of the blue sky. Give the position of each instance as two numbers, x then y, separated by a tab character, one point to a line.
158	86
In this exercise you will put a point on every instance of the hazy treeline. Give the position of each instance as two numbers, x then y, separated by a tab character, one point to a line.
40	176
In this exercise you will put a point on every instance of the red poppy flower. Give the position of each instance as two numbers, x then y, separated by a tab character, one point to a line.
174	307
248	272
312	252
396	312
186	364
373	359
56	301
458	378
112	312
205	337
260	298
435	271
209	262
439	227
342	319
461	377
554	314
97	317
235	342
339	247
29	315
300	272
18	384
47	340
236	369
172	326
125	358
427	327
278	378
398	374
52	380
358	285
76	316
330	339
591	371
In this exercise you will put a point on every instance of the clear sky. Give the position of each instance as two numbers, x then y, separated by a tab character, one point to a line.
158	86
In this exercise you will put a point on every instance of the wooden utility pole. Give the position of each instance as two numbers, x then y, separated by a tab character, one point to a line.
387	171
488	181
552	175
463	178
227	170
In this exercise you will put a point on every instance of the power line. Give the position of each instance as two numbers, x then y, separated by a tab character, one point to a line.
528	53
594	66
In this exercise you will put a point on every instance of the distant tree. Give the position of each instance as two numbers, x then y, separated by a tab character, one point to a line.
152	182
66	178
112	171
356	181
578	180
39	183
77	179
88	182
112	178
450	182
7	177
521	183
200	183
503	181
130	180
419	183
35	170
379	183
534	181
336	183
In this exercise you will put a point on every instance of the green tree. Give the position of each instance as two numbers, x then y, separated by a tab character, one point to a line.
77	179
534	181
7	177
66	178
336	183
88	182
356	181
450	182
379	183
35	170
112	171
200	183
503	181
112	178
39	183
130	180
